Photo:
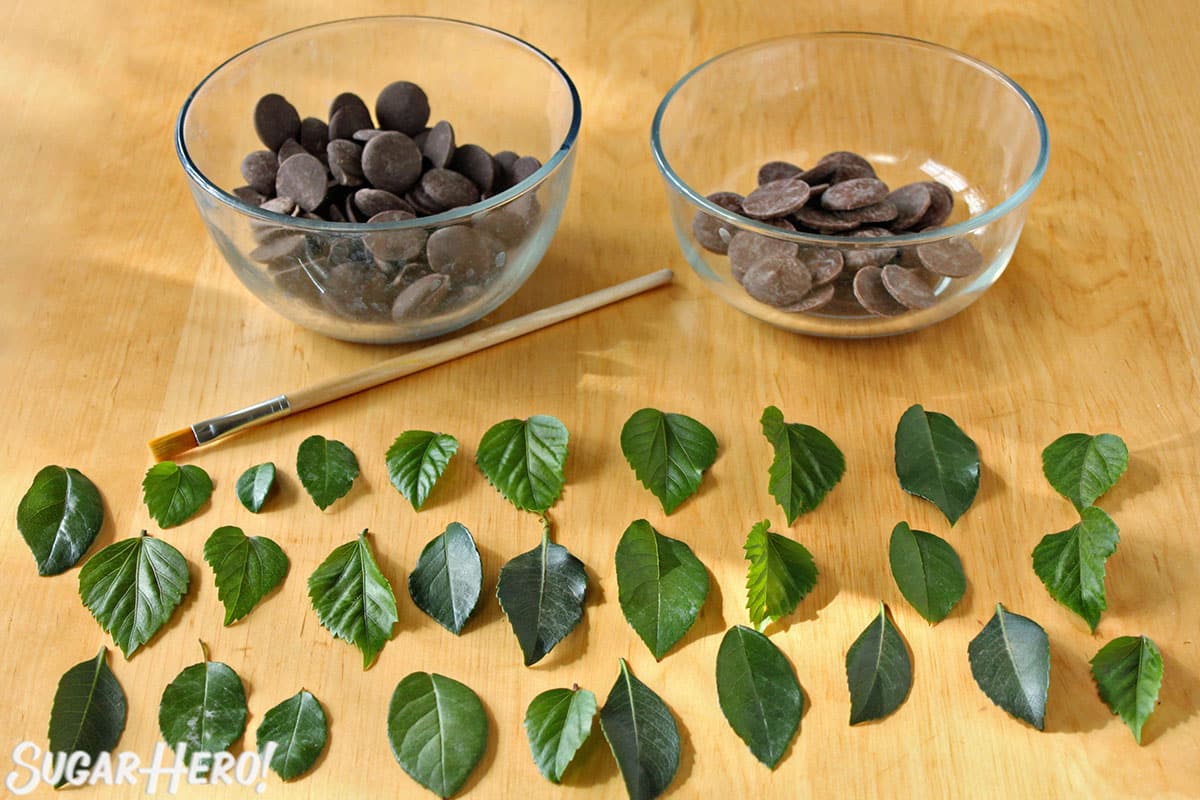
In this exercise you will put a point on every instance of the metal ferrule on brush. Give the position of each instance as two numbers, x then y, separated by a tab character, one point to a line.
210	429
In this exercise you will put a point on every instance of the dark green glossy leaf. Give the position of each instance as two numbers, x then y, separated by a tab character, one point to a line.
781	573
174	493
255	485
807	464
132	587
927	570
438	731
642	735
1010	659
542	592
448	577
661	586
524	460
204	708
878	670
1082	467
299	730
327	469
89	710
1071	563
669	453
59	517
937	461
353	599
416	460
246	569
1128	672
558	722
759	693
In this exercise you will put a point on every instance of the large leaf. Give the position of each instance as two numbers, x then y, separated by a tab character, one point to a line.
246	569
807	464
1072	563
327	469
255	485
204	708
558	722
541	592
438	731
299	730
642	735
759	693
89	710
1010	659
1082	467
878	670
927	570
59	517
132	586
448	577
1128	672
781	573
661	585
669	453
353	599
937	461
416	460
524	460
174	493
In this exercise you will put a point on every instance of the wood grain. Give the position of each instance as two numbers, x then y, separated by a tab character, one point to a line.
119	320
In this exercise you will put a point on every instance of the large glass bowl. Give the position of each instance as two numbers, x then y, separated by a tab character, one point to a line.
916	111
496	90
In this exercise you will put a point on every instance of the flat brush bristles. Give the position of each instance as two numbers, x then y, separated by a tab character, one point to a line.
173	444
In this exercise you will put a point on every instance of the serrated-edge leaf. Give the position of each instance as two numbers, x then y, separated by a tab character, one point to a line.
1072	563
927	571
59	517
1128	672
661	586
669	453
758	692
807	464
1010	661
437	730
353	599
245	569
1082	467
642	734
541	592
557	723
327	469
173	493
415	462
255	484
878	670
930	440
299	729
89	710
524	460
204	707
448	578
781	573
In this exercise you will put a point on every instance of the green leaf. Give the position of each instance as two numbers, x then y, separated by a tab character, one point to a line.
661	585
438	731
299	730
1010	660
878	670
1071	563
642	735
327	469
132	587
759	693
255	485
416	460
204	708
246	569
1128	672
448	577
541	592
807	464
1082	467
937	461
59	517
927	570
524	460
174	493
669	453
89	710
353	599
781	573
558	722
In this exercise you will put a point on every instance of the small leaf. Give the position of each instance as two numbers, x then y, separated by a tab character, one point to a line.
353	599
927	570
642	735
132	587
59	517
174	493
327	469
246	569
299	730
759	693
255	485
438	731
448	577
1083	467
204	708
541	592
416	460
669	453
937	461
558	722
89	710
524	460
781	573
1071	563
807	464
878	670
1128	672
1010	660
661	585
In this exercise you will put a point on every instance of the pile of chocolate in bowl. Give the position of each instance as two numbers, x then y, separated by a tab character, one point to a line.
390	168
840	196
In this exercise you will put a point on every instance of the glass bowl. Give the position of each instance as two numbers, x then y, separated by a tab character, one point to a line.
847	106
403	279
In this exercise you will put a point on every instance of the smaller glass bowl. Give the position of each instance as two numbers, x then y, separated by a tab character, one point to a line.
917	112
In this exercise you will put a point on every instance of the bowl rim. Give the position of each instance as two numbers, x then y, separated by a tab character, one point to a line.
1013	201
344	228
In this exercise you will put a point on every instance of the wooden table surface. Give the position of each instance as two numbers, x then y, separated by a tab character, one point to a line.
119	320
